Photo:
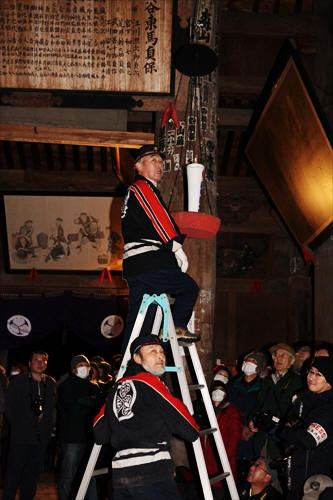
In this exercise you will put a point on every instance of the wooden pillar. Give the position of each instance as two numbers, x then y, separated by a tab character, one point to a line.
323	271
299	304
323	291
181	150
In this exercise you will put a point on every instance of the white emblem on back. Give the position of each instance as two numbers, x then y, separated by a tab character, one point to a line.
124	400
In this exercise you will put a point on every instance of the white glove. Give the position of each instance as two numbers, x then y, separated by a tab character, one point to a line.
181	259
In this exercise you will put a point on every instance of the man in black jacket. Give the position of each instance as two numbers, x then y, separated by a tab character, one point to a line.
274	400
78	400
308	430
154	261
29	410
259	479
139	418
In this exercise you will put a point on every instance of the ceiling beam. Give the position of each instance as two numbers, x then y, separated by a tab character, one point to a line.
82	137
232	117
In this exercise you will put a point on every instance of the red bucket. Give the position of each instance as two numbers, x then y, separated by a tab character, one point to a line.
197	224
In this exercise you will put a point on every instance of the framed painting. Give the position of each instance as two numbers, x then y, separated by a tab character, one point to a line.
61	233
289	145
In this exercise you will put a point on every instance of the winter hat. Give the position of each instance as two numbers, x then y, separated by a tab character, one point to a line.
325	366
79	358
272	472
144	340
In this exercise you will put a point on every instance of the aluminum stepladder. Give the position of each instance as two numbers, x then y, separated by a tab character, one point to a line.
178	353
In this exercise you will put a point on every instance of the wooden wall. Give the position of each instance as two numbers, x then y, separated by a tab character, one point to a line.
271	298
263	286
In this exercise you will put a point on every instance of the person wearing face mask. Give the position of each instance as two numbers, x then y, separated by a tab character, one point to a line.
16	369
221	374
243	394
229	420
78	401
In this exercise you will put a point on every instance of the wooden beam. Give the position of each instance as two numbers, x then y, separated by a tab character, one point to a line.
233	117
37	180
83	137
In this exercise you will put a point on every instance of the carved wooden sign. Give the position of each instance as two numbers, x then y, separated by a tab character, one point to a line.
86	45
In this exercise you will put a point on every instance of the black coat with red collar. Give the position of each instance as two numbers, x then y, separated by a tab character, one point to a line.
148	230
140	409
139	418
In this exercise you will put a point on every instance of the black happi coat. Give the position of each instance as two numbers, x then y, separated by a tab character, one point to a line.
138	420
148	230
311	437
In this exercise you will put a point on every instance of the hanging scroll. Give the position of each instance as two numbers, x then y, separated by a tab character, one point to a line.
86	45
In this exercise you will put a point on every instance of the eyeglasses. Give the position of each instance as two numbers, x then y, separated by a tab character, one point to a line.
281	355
258	465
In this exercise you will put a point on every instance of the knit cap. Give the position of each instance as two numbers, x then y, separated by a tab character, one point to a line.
272	472
79	358
325	366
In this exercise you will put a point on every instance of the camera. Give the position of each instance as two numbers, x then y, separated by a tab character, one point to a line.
281	465
37	406
264	420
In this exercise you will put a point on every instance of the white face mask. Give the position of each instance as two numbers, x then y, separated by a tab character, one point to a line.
249	368
14	372
82	371
218	395
221	378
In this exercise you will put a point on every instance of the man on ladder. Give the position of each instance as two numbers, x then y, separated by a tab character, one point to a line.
154	261
139	418
125	403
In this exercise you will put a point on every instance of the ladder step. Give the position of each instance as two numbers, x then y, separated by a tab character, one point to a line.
217	478
99	472
181	359
210	430
194	387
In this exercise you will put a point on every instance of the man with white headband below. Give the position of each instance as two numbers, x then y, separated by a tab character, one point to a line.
154	261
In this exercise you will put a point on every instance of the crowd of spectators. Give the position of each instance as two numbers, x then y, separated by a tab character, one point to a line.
46	425
285	436
274	409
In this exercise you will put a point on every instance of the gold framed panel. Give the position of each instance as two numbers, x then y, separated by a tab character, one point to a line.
291	150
